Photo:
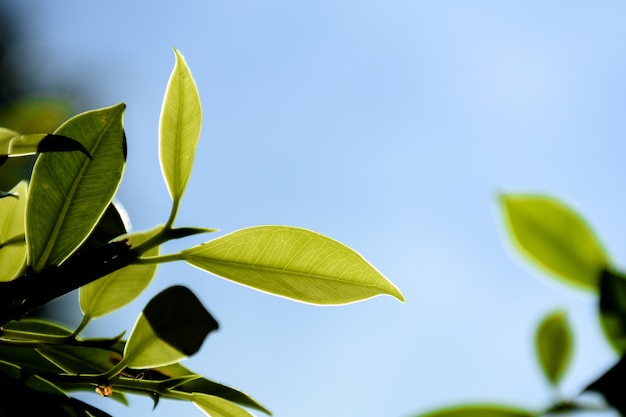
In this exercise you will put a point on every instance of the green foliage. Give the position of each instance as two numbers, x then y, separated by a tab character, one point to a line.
554	344
554	237
60	231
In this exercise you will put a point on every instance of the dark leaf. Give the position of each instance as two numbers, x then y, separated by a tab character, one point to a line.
60	143
4	193
613	308
109	227
178	318
611	386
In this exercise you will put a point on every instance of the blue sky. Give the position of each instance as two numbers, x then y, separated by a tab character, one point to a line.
391	127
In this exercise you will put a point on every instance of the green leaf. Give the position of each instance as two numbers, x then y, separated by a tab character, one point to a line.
554	345
119	288
555	238
171	327
479	410
110	226
218	407
24	145
209	387
69	192
13	256
292	262
613	309
179	128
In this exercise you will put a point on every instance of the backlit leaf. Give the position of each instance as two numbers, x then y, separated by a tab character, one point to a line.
179	128
119	288
293	263
218	407
171	327
555	238
69	192
13	254
479	410
554	345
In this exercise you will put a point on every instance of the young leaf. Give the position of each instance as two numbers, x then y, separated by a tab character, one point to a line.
555	238
12	256
171	327
554	345
479	410
292	262
613	309
218	407
119	288
69	192
179	128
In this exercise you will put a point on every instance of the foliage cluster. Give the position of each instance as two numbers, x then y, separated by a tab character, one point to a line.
60	231
558	241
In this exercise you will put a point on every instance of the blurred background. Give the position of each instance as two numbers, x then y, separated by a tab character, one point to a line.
389	126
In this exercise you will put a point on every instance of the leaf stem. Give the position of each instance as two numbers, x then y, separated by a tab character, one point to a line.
147	260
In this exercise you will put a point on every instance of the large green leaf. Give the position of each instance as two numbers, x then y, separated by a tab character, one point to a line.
613	309
119	288
171	327
13	144
218	407
179	128
70	192
479	410
554	345
12	253
555	238
293	263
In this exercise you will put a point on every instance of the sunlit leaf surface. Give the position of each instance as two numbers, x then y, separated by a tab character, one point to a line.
555	238
12	245
179	128
119	288
293	263
69	192
479	410
218	407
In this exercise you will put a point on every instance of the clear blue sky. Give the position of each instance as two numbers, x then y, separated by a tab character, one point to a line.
389	126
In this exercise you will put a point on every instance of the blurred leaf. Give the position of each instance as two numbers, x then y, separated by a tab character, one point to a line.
292	262
555	238
479	410
13	256
179	128
34	115
611	386
613	309
69	192
554	345
208	387
218	407
119	288
171	327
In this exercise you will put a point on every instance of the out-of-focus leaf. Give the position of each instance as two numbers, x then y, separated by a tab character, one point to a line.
209	387
613	309
171	327
119	288
555	238
554	345
179	128
218	407
292	262
34	115
69	192
479	410
13	256
611	386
